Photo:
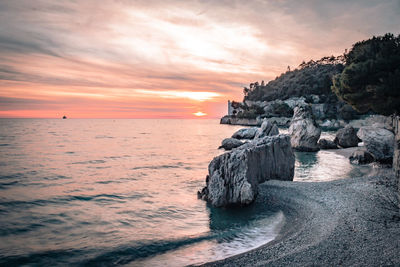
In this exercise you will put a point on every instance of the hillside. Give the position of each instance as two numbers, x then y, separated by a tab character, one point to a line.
313	77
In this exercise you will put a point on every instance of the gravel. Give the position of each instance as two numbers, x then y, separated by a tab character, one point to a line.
349	222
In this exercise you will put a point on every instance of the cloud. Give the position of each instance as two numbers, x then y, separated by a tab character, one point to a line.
113	50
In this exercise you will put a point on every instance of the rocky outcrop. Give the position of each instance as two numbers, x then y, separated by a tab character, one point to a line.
379	142
230	143
245	133
347	137
327	144
303	130
233	120
233	177
378	121
361	156
267	129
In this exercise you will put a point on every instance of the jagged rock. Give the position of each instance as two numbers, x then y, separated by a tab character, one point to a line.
295	101
230	143
233	177
225	120
379	142
327	144
267	129
361	157
280	121
330	124
347	137
303	130
245	133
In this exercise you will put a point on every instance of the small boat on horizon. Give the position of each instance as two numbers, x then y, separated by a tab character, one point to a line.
64	117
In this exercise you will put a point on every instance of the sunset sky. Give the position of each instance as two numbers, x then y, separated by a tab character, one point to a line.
165	58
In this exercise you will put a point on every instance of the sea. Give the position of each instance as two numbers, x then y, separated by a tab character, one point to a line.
90	192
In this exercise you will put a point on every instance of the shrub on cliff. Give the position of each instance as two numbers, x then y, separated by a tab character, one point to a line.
371	77
313	77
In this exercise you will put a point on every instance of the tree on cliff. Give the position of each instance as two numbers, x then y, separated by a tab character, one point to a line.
371	77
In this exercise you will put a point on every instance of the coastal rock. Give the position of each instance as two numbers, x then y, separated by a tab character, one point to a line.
295	101
361	156
230	143
303	130
280	121
245	133
327	144
347	137
379	142
330	124
233	177
225	120
234	120
267	129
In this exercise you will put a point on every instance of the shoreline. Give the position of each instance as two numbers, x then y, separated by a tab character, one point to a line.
341	222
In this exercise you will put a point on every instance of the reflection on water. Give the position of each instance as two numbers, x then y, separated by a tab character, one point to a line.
325	165
117	192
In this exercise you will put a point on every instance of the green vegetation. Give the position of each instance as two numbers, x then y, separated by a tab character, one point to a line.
313	77
371	77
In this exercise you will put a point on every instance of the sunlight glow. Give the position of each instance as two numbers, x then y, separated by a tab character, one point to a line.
200	114
197	96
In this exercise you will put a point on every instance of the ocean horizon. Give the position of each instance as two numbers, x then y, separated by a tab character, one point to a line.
123	192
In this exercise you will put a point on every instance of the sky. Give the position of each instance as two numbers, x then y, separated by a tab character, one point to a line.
165	58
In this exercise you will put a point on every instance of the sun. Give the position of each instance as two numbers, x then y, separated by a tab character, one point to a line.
199	114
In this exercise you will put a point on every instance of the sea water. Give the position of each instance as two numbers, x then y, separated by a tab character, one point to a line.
123	192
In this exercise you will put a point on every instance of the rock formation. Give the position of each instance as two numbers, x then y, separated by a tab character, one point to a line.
230	143
379	142
267	129
361	156
303	130
347	137
327	144
245	133
233	177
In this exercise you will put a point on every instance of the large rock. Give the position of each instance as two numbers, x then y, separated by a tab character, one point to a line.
230	143
361	156
233	177
303	130
327	144
245	133
267	129
379	142
347	137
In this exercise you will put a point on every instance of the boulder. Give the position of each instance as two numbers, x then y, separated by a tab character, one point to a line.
245	133
225	120
303	130
230	143
233	177
347	137
267	129
327	144
280	121
379	142
330	124
295	101
361	156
